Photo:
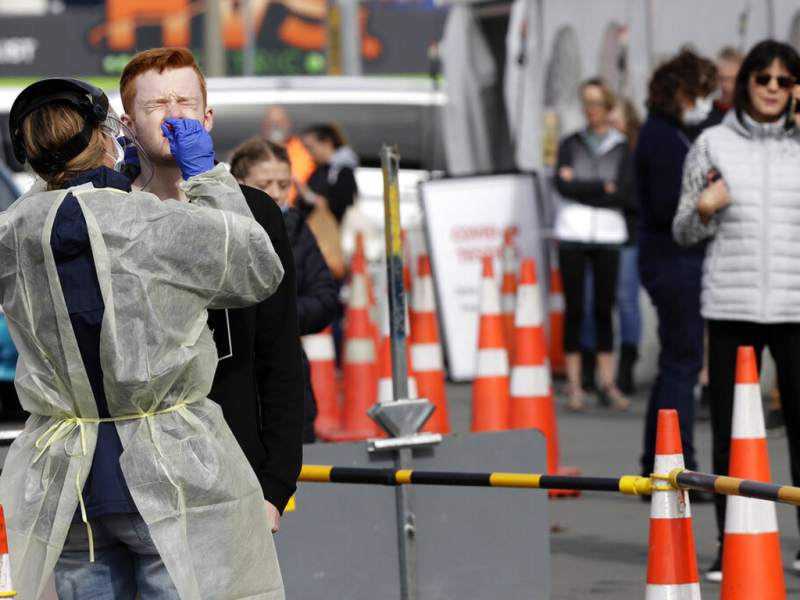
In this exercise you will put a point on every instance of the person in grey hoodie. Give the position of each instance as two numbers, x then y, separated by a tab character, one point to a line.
741	191
594	178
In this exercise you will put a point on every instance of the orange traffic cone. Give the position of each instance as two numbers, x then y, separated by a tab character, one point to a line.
556	301
360	370
322	359
491	402
531	392
508	288
751	552
672	564
6	586
426	349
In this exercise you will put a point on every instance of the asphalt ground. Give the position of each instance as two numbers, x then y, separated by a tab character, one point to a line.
599	541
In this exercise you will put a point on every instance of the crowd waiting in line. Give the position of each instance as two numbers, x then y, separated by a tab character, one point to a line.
706	192
696	203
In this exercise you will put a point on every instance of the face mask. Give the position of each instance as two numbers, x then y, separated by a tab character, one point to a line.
277	136
117	153
699	112
284	207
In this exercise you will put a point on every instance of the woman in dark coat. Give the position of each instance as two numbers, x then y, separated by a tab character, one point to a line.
264	165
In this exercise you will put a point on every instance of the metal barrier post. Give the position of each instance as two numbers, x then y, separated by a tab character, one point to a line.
404	417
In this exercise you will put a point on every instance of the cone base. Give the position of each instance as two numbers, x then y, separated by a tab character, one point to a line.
752	567
566	472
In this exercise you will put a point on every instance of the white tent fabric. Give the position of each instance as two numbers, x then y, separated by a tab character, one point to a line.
469	71
523	91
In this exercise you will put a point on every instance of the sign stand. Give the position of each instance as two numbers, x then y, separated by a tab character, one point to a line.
403	417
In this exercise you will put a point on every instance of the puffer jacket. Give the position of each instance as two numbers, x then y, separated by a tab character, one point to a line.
752	266
586	213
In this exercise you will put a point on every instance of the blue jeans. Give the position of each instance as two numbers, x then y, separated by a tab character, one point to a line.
674	287
126	563
630	316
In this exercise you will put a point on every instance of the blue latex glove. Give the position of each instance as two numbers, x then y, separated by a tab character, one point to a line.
190	144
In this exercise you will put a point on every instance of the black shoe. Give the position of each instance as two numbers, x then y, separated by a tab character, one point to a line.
700	497
796	563
714	573
588	366
627	359
774	418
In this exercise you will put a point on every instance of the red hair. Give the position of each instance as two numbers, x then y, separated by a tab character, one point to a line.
156	59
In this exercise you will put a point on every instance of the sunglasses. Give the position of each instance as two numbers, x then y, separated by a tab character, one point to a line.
784	82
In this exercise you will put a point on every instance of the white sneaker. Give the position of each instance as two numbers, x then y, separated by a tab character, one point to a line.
714	573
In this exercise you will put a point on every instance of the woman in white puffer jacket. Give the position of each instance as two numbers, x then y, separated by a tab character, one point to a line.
741	190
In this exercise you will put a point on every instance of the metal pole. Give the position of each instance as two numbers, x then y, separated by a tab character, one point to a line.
212	40
249	52
350	38
406	523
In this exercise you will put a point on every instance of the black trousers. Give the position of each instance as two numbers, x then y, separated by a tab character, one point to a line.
783	341
605	269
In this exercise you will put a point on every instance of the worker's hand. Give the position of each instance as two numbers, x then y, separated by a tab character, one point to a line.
190	145
566	173
713	199
273	516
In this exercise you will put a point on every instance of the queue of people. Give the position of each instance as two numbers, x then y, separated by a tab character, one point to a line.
714	198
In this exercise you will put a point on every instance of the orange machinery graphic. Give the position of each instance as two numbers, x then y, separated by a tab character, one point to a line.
303	28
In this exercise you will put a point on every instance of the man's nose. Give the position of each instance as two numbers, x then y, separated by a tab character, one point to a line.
174	110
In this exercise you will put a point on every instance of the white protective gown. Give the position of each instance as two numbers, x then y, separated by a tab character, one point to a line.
160	266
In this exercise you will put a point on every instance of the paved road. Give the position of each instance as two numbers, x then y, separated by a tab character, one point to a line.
601	549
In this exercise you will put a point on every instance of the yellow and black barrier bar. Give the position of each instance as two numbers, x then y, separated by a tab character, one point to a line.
630	485
733	486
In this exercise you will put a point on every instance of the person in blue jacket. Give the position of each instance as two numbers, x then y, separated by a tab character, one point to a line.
8	366
678	99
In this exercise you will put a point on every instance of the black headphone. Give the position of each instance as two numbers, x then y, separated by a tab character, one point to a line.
90	101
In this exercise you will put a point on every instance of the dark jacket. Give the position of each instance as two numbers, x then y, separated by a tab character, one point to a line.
317	296
660	153
317	299
260	384
340	194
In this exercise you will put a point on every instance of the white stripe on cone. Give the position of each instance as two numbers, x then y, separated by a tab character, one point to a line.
492	362
490	297
359	298
748	419
530	382
669	504
509	302
426	357
422	297
5	574
359	351
529	309
557	303
748	515
319	346
386	391
686	591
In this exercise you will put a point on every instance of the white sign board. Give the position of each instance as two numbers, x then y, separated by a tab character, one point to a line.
465	219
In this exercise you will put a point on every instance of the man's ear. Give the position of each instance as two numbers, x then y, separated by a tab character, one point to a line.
208	119
126	120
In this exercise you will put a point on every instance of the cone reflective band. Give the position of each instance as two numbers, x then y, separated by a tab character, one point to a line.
360	370
426	349
751	553
531	392
321	355
556	306
508	289
672	564
490	395
6	585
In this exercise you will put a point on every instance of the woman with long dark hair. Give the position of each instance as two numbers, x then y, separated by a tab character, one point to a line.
741	191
